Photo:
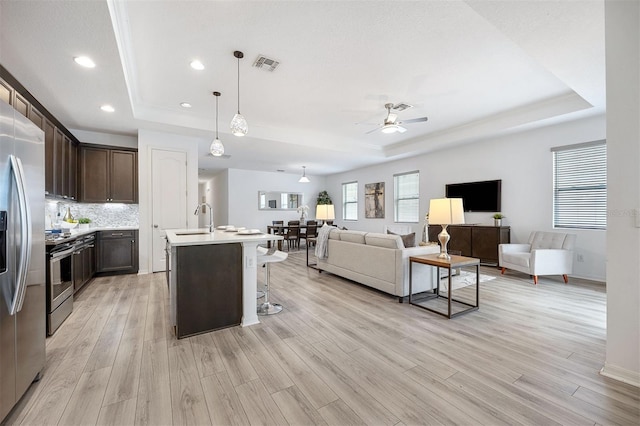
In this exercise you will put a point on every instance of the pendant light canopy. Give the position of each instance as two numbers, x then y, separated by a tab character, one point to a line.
304	178
239	126
216	148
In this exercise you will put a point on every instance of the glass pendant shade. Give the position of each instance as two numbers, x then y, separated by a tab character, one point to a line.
216	148
239	126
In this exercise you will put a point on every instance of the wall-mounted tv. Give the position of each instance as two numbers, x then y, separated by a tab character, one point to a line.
482	196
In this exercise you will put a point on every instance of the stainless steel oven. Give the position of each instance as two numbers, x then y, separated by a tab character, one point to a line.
59	285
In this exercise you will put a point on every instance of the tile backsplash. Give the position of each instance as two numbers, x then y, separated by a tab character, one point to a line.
101	214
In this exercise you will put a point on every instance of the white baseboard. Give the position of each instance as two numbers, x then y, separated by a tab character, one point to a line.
621	374
143	271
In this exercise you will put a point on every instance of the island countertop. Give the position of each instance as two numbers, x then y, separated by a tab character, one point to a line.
191	237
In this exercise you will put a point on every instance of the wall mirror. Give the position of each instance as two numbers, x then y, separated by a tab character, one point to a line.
275	200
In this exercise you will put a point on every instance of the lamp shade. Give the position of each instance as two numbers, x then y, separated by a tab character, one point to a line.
325	212
446	211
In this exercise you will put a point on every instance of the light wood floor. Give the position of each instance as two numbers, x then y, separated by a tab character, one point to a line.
338	354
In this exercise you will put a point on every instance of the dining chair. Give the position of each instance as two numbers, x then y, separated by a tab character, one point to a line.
278	223
293	233
310	232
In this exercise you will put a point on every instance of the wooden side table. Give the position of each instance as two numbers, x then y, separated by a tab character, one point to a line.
309	241
453	263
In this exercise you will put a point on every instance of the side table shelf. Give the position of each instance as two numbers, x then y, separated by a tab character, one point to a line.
453	263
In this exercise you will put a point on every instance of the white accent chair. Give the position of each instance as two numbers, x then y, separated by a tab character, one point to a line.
546	253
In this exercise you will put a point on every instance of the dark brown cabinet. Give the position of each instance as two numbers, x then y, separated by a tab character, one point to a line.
84	261
477	241
117	252
108	175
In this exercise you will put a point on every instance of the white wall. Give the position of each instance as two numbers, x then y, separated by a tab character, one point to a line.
148	140
524	163
220	198
622	29
243	196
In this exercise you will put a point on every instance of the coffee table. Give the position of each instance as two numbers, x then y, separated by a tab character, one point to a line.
452	263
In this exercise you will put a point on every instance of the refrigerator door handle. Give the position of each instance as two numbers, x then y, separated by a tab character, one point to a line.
25	235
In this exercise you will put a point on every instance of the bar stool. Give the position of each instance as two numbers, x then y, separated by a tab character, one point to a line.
267	308
261	251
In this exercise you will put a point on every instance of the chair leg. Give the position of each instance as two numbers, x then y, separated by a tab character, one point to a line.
566	278
503	269
535	279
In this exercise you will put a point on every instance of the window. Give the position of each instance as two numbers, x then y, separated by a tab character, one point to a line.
350	201
406	197
580	186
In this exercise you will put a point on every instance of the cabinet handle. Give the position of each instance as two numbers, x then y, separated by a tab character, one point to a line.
117	235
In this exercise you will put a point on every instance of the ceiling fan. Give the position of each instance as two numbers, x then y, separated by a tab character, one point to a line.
391	125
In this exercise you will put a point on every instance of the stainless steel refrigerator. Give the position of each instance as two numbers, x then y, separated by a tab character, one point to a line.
22	256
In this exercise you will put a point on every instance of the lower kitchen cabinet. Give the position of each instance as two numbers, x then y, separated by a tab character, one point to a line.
117	252
84	261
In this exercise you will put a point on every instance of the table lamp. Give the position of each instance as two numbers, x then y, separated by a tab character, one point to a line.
445	212
325	212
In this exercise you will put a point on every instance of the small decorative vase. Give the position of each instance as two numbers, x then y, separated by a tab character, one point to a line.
497	222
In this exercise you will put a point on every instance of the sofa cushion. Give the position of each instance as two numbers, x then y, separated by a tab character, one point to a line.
409	240
547	240
520	259
384	240
352	236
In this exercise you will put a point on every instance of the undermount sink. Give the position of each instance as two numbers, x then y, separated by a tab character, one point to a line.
192	231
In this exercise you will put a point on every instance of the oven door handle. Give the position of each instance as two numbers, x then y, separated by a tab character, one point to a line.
25	235
63	253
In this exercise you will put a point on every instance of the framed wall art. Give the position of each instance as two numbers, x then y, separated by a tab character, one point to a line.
374	200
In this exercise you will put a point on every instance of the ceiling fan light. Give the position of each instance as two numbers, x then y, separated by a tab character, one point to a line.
389	128
239	126
216	148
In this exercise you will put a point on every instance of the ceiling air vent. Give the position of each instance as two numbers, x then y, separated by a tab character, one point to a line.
265	63
402	106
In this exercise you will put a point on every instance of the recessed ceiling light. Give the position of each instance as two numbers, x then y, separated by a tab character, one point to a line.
107	108
185	105
84	61
197	65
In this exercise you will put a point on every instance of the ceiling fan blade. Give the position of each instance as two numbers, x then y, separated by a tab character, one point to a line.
400	129
415	120
371	131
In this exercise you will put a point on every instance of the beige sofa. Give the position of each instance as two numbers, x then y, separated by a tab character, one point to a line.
377	260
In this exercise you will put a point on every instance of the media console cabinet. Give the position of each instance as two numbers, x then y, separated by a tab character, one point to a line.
479	241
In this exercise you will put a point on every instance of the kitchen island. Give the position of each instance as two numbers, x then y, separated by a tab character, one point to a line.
212	279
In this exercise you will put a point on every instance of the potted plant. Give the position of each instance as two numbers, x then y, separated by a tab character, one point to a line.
83	222
323	198
497	219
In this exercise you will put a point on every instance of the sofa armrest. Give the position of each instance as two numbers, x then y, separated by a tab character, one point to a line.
551	262
423	275
512	248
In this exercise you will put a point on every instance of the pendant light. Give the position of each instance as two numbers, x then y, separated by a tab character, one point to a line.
239	125
216	148
304	178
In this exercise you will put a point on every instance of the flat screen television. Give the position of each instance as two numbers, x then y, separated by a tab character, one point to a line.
482	196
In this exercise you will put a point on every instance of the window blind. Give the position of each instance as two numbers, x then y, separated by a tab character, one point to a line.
580	186
406	197
350	201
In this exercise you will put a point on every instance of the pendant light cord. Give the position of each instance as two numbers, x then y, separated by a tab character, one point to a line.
217	117
238	85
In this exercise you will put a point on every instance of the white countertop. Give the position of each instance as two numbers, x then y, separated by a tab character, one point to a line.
217	237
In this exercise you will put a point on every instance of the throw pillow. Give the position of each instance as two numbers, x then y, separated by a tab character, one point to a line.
408	240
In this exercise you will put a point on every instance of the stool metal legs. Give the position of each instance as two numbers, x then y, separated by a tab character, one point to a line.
268	308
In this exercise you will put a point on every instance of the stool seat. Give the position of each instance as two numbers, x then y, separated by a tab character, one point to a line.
268	308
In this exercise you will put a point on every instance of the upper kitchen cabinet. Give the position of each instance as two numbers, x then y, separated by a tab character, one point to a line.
108	175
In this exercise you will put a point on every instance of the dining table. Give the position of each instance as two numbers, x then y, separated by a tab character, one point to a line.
282	230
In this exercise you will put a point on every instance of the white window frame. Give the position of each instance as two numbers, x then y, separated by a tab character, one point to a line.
346	203
580	186
399	198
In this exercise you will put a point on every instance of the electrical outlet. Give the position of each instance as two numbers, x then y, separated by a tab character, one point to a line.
251	262
580	258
